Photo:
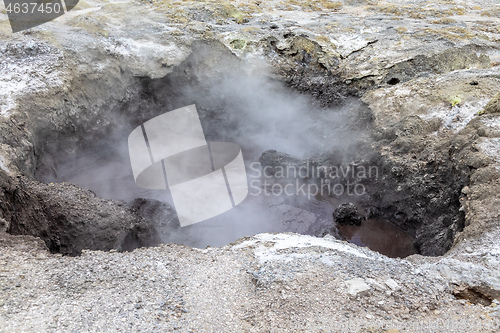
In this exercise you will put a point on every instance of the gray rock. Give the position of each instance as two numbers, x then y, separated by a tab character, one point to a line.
357	286
347	213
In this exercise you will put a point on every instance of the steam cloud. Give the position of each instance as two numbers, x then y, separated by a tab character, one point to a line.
252	110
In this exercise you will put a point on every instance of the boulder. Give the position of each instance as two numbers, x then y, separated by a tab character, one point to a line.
347	213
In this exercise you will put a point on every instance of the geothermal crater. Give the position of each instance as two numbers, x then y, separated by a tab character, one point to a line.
86	144
394	101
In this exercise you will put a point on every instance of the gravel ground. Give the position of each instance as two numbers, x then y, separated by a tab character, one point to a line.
266	283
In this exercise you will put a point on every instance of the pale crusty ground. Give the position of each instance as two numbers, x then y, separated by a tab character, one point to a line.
267	283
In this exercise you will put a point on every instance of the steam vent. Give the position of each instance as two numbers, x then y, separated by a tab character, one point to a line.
250	166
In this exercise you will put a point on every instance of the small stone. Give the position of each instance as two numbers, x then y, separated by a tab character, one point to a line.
468	249
376	285
357	286
437	312
369	316
392	284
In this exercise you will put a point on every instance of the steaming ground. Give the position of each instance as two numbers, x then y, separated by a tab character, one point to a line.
74	70
253	111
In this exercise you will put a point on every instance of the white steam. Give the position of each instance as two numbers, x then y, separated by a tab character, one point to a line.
255	112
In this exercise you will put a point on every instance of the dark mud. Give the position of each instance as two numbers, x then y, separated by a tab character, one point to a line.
380	236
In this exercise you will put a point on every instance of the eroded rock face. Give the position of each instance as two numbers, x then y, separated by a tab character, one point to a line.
493	106
430	133
69	219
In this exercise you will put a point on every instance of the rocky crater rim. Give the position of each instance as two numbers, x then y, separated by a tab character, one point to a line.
60	128
410	96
